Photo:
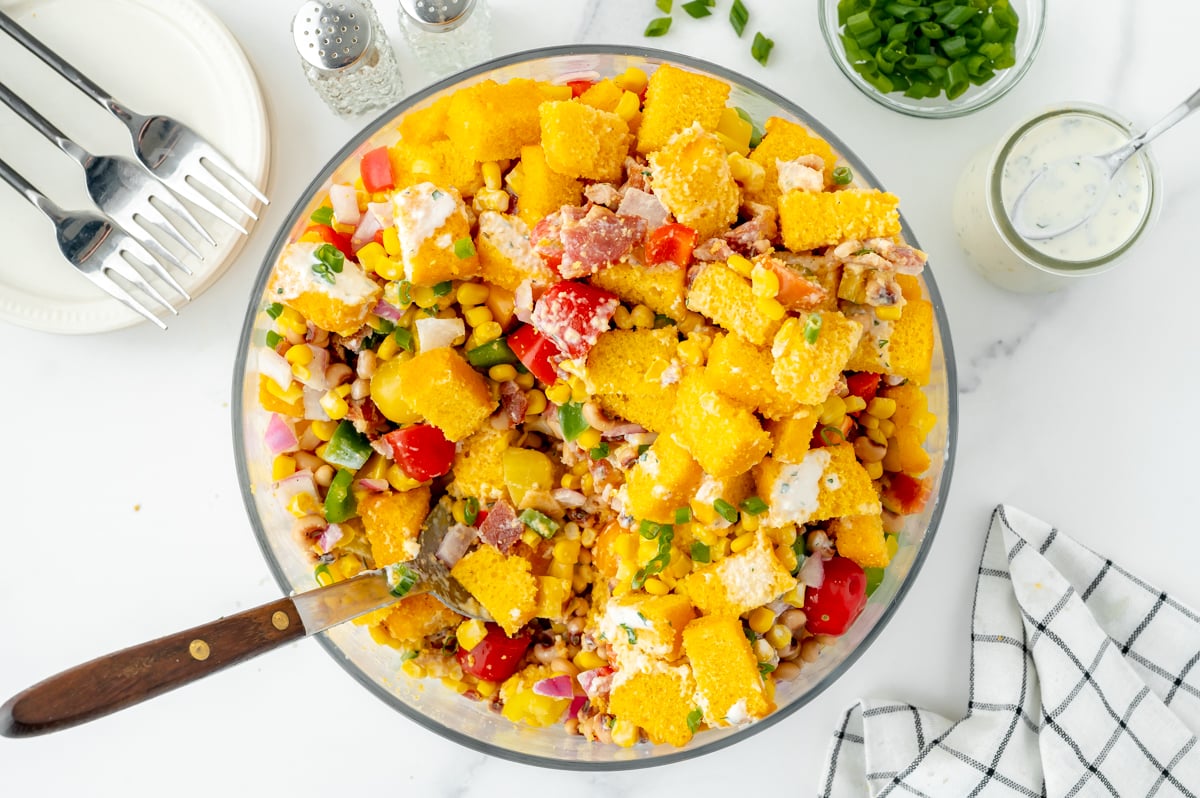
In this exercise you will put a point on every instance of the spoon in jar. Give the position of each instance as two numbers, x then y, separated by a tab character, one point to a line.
141	672
1093	174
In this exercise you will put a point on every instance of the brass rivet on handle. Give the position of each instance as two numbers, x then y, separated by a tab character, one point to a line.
280	620
199	650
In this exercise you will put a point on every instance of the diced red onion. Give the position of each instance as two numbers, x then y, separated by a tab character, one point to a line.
383	211
455	542
576	706
368	226
586	678
312	405
812	572
280	437
373	485
386	310
568	498
623	430
345	203
554	687
641	438
271	364
316	368
330	537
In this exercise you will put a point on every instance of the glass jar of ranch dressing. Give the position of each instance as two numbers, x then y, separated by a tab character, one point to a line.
996	176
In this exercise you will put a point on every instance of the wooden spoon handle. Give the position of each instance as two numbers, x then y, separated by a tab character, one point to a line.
128	677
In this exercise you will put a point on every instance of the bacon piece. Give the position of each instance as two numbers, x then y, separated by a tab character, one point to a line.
501	528
597	239
753	237
546	238
512	403
641	203
637	175
605	194
713	250
366	417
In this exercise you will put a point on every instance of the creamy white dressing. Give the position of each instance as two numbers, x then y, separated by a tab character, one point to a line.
1070	188
294	276
794	493
421	211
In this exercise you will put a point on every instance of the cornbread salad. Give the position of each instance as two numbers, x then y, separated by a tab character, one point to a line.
667	366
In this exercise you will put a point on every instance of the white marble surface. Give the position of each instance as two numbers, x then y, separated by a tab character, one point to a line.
1077	407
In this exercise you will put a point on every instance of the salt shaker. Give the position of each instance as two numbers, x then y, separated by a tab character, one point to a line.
447	35
346	55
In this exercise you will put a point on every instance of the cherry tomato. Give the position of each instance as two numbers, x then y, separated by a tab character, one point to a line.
331	236
578	87
671	243
536	352
864	385
833	606
496	657
572	315
376	170
421	451
905	495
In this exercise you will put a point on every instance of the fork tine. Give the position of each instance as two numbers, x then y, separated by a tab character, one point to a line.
142	251
125	269
108	286
211	180
177	207
233	172
152	215
191	194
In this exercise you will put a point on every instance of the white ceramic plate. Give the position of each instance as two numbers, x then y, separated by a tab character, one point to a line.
170	57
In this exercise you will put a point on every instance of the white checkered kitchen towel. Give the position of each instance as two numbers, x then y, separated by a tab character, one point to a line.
1083	683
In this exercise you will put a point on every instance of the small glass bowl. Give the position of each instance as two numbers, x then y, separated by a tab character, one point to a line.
1029	39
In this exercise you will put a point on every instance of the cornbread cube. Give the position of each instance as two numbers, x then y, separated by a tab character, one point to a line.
733	490
828	483
543	190
490	121
447	392
654	412
426	124
693	180
506	256
846	487
791	436
740	582
912	408
910	350
522	705
658	699
413	618
724	436
861	538
910	286
392	522
742	371
502	584
620	359
340	306
478	465
637	626
726	297
663	480
811	219
660	287
786	141
552	596
438	162
582	141
675	99
429	220
603	94
809	371
729	688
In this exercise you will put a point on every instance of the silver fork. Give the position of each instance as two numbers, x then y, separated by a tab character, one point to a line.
173	152
95	246
122	190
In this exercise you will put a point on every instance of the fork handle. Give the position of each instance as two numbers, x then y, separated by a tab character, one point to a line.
59	65
42	125
28	191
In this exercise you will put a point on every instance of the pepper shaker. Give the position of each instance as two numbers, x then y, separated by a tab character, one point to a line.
346	55
447	35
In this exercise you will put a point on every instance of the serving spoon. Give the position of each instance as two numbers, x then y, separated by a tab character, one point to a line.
135	674
1102	168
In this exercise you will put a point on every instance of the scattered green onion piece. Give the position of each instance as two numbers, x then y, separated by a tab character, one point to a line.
539	522
444	287
860	23
798	550
322	570
274	310
956	80
412	653
693	719
955	47
464	247
701	553
957	16
754	505
739	15
873	36
828	433
726	510
322	215
643	448
664	5
697	9
761	48
651	530
683	515
403	579
404	338
765	668
992	30
898	32
658	27
470	510
273	338
658	562
599	451
812	328
630	634
329	262
842	176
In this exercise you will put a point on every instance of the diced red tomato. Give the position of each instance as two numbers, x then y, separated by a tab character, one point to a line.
796	292
331	236
572	315
480	517
578	87
546	238
496	657
832	607
904	494
378	239
421	451
864	384
536	352
376	170
671	243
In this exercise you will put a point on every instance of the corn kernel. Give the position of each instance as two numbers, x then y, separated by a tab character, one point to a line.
764	282
423	296
892	543
579	391
458	511
412	669
779	636
290	320
477	316
691	352
624	733
487	689
855	403
589	660
771	308
470	634
760	620
832	410
391	242
580	468
628	106
349	566
535	401
656	587
751	175
741	265
749	522
491	174
632	79
282	466
570	481
488	331
302	373
889	312
622	318
300	354
643	317
472	294
690	321
561	570
887	427
681	566
388	349
589	439
525	381
491	199
878	437
881	407
334	406
795	596
566	551
874	470
399	480
503	372
868	422
742	542
373	257
303	504
787	557
559	393
586	483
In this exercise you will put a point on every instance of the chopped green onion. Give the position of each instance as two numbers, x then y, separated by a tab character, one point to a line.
739	15
404	338
443	288
322	215
683	515
693	719
812	328
726	510
754	505
274	310
658	27
842	176
697	9
470	510
664	5
643	448
412	653
701	553
658	562
828	431
630	634
464	247
761	48
798	550
957	16
320	571
402	579
330	261
599	451
273	338
539	522
765	667
651	530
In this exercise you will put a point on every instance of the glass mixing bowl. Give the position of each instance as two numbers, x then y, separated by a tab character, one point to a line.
377	667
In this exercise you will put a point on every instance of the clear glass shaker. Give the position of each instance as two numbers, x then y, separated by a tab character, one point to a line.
447	35
346	55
